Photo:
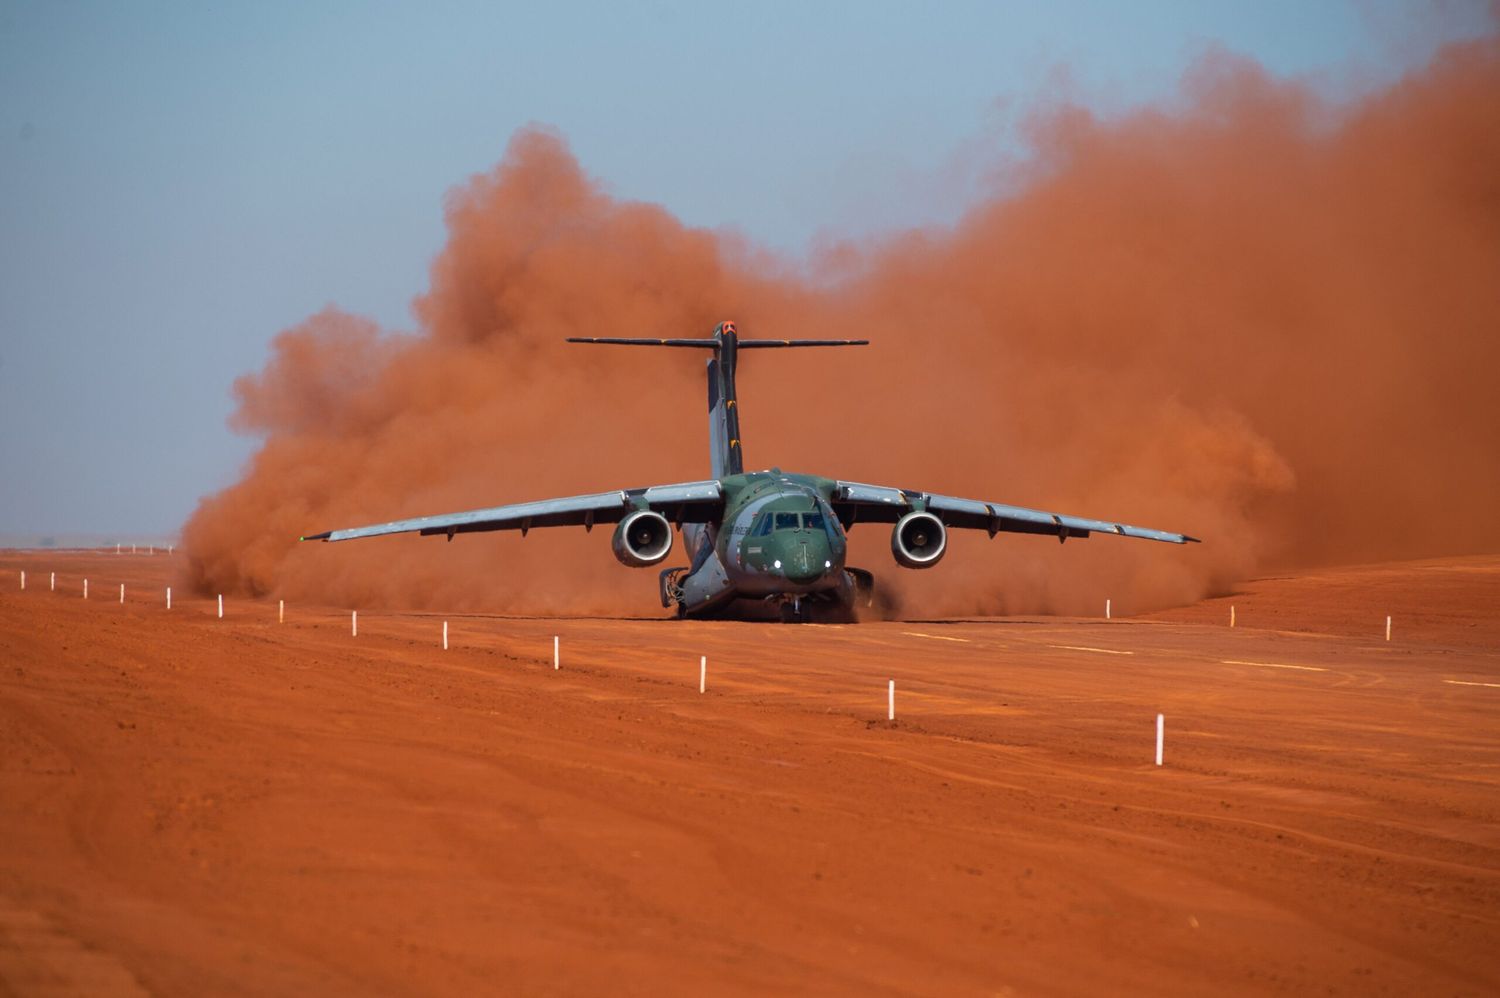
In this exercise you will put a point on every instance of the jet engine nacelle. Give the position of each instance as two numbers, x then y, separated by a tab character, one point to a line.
919	540
642	538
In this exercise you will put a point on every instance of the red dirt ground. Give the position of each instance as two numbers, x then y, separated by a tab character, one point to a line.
191	805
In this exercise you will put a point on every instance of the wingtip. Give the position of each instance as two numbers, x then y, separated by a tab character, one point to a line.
317	537
1186	539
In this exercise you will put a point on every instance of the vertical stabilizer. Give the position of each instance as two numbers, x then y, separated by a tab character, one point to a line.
724	406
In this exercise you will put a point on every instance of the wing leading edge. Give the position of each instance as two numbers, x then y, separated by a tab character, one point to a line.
687	502
855	502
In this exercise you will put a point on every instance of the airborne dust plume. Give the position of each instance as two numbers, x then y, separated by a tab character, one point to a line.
1261	320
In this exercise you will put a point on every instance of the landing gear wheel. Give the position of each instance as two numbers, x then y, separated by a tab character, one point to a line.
793	613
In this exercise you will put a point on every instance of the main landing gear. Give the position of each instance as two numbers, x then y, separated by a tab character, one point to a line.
670	583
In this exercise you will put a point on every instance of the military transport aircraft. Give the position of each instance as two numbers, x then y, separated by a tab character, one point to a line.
768	536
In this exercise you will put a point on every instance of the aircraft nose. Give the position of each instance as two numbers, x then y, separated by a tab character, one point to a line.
800	567
807	562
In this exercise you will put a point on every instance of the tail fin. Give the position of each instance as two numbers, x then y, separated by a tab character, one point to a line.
723	400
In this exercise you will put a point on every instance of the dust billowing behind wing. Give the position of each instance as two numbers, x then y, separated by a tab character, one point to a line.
1261	320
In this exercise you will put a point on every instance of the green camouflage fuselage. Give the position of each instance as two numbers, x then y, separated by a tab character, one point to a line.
778	537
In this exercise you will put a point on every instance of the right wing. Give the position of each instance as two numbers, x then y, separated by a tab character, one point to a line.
687	502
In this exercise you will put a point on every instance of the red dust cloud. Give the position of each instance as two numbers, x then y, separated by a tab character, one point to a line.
1265	321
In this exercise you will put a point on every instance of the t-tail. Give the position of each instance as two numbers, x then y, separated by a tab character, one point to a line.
724	440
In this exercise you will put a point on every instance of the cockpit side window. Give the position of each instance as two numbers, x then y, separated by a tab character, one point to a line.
821	519
764	527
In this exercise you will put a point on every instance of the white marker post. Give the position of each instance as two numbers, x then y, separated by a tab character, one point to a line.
1231	615
122	592
890	701
281	611
445	635
169	597
221	606
702	673
117	548
1161	728
54	582
151	550
132	549
169	548
354	623
556	659
1387	624
85	588
23	581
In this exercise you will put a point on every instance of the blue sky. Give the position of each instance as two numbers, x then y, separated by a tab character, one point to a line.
179	182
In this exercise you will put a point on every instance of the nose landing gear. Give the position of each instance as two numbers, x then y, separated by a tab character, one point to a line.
838	606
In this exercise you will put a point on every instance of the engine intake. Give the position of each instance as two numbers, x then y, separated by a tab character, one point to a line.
919	540
643	538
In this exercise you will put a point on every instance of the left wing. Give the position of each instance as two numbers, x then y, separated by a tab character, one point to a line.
688	502
855	502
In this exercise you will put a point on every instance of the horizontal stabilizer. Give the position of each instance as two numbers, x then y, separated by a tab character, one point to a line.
744	344
712	343
724	444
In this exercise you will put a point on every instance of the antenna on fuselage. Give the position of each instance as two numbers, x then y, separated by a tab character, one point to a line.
723	400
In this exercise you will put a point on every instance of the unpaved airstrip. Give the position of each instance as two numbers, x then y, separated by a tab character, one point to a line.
194	805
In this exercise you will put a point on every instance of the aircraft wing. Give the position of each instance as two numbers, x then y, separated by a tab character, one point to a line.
855	502
687	502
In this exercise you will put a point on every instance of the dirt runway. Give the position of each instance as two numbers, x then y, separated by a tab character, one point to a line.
191	805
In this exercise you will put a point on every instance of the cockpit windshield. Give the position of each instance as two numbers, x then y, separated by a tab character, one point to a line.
793	521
